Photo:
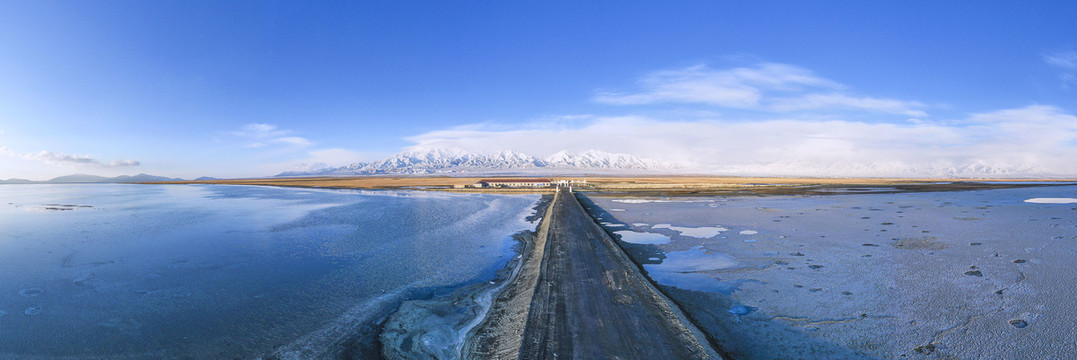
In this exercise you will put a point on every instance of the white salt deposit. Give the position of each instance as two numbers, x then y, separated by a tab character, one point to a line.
616	209
633	237
699	232
1052	201
748	232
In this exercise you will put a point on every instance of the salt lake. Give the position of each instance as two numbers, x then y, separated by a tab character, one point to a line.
189	271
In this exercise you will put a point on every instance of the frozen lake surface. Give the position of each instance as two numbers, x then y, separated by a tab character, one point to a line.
144	271
964	274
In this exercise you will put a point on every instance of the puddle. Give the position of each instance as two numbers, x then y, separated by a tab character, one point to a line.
633	237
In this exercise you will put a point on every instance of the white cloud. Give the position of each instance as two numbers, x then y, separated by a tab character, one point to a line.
258	135
61	158
323	158
124	163
833	100
1030	141
1066	61
293	140
337	157
765	86
258	131
58	158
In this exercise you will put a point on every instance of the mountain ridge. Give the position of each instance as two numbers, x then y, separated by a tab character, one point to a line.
452	161
93	179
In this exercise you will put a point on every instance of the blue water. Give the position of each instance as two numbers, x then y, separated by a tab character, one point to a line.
228	271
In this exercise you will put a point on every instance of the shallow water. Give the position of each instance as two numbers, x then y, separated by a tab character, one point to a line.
143	271
966	274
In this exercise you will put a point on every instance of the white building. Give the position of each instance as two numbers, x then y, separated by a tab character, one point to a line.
516	182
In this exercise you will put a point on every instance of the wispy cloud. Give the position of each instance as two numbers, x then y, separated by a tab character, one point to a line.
124	163
1029	141
1066	61
833	100
59	158
292	140
258	135
769	87
258	131
324	158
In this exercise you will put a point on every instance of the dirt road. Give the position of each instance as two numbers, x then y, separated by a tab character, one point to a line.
578	296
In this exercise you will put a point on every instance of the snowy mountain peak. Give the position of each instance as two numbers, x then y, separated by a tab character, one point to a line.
456	161
595	159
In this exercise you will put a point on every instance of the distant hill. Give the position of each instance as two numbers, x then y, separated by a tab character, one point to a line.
140	178
206	178
78	178
93	179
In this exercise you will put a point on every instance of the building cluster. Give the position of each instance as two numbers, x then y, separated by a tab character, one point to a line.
523	183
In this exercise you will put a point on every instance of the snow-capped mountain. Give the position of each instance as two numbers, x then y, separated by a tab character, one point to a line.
447	161
594	159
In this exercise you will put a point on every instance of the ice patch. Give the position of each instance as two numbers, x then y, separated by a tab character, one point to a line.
683	269
696	259
700	282
697	232
641	224
633	237
748	232
644	201
616	209
1052	201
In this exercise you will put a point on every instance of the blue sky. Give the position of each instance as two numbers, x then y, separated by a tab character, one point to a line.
231	89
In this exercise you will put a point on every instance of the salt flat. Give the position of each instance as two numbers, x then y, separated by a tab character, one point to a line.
953	274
